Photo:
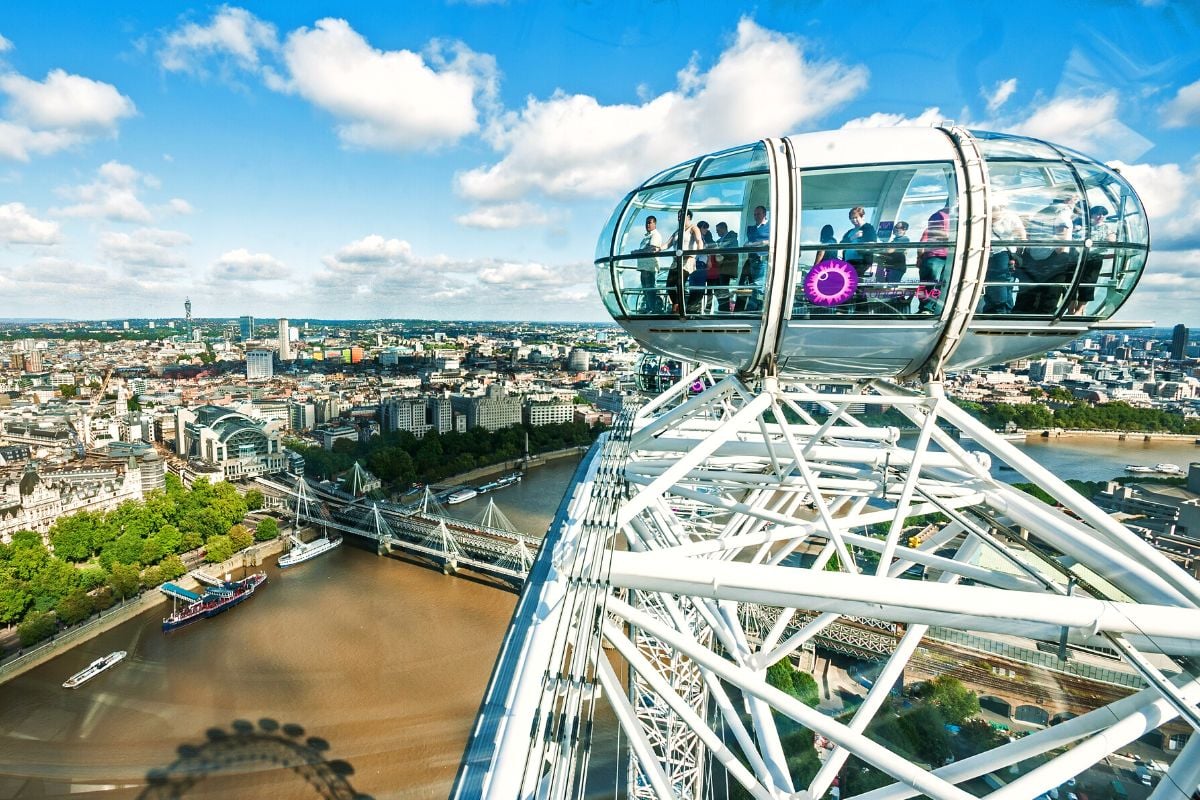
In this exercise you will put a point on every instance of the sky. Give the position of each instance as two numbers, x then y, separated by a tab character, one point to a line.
457	160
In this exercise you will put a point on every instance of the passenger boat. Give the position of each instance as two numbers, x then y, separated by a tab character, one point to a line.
93	669
1168	469
214	600
461	496
500	483
1139	469
303	551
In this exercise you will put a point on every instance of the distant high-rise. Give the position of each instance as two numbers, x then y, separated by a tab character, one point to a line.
1179	340
259	365
187	314
285	347
246	327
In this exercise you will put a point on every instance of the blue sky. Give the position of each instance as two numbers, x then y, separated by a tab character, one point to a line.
457	160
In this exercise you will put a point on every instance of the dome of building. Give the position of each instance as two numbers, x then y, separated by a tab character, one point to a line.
900	252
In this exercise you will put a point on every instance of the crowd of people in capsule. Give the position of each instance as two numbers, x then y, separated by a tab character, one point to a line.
1027	279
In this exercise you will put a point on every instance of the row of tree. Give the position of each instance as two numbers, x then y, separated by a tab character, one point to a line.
99	558
399	459
1081	415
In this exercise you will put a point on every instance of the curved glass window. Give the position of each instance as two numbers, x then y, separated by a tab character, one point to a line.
732	162
644	284
648	220
608	294
1127	266
605	242
679	172
996	146
888	229
1042	194
1113	211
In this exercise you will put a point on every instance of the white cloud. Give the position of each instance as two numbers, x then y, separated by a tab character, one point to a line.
368	253
177	205
62	111
18	226
145	250
5	45
233	34
113	195
393	99
1088	123
1171	195
999	94
506	215
1184	108
64	101
928	117
242	265
573	145
387	277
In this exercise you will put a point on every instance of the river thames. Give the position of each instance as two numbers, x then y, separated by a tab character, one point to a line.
351	675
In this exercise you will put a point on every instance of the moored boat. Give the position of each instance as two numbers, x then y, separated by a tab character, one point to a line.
1168	469
1139	469
461	496
215	600
303	551
500	483
93	669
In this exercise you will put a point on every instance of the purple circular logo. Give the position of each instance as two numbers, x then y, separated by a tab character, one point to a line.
830	283
697	387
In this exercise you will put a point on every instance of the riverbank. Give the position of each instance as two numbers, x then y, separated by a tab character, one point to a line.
513	464
126	610
1120	436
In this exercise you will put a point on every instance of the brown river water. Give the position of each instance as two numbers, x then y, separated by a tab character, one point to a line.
351	675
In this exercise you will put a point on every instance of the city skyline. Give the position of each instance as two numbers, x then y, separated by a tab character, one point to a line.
276	161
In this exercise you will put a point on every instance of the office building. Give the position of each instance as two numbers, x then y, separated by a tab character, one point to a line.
285	345
259	365
1179	340
246	327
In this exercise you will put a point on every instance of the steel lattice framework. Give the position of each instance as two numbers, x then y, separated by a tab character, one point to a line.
715	534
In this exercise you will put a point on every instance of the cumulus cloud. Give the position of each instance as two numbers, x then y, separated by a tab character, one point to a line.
1184	108
64	101
64	110
928	117
999	94
1171	196
393	99
504	215
5	45
146	250
18	226
233	34
242	265
1089	123
574	145
177	205
112	196
386	275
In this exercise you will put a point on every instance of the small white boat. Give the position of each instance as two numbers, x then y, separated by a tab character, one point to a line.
93	669
1140	469
461	496
1168	469
303	551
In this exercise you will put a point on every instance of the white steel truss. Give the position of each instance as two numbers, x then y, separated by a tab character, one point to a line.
720	533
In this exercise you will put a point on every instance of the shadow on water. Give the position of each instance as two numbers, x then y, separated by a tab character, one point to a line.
246	748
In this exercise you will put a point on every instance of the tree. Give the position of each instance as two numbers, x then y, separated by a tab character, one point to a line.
91	577
254	500
220	548
240	537
172	567
37	626
72	536
925	728
266	530
75	607
15	598
124	580
956	702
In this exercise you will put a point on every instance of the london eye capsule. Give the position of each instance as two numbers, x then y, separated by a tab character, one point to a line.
896	253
